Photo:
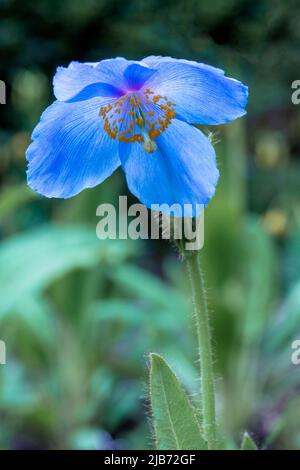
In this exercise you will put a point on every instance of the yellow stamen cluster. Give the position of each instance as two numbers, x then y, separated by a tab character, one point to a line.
138	118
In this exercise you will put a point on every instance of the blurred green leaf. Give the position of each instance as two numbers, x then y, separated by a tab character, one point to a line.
17	393
175	424
260	277
248	443
136	311
143	284
35	313
14	197
118	310
31	261
90	439
282	331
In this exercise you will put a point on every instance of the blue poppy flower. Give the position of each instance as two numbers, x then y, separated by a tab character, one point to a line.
139	115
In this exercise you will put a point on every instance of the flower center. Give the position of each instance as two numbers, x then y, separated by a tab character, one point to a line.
138	117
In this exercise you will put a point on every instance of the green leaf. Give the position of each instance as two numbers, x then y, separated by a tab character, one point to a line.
248	443
175	424
90	439
14	197
119	310
260	277
34	313
30	262
148	287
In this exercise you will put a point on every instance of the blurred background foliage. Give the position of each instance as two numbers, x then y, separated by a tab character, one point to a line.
78	315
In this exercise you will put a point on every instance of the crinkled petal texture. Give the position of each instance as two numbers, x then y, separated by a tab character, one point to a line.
182	171
70	150
202	94
108	78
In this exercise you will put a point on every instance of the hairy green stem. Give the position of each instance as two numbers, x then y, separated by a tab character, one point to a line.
201	318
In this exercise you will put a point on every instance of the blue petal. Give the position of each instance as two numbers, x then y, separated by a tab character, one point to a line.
108	78
136	75
83	81
70	150
202	94
182	171
155	60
